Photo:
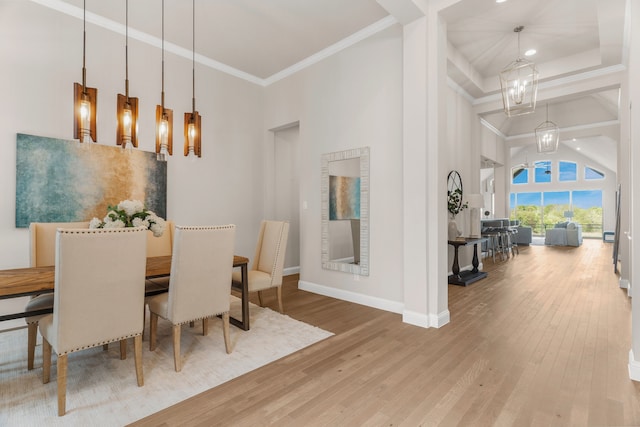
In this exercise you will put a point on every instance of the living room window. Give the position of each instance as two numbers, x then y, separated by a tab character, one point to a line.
541	210
591	173
542	172
568	171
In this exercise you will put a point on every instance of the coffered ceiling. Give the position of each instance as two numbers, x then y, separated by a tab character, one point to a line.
576	40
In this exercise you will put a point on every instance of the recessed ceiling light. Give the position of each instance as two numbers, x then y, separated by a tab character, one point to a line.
578	148
573	139
500	1
530	52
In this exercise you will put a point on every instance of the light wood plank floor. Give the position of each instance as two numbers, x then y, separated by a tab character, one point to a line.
542	341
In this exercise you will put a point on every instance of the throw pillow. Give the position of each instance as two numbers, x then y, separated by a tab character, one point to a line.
562	224
571	226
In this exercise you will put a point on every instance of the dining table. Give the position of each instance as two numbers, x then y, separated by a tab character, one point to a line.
19	282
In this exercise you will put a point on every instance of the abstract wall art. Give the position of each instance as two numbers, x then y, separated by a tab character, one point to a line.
344	197
63	181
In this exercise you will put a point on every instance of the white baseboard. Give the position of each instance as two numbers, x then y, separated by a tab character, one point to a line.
426	321
410	317
634	367
291	270
369	301
623	283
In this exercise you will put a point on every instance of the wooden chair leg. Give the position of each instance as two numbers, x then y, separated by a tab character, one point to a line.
123	349
153	328
137	355
46	361
144	319
62	384
32	331
279	292
192	324
225	331
205	326
177	362
260	298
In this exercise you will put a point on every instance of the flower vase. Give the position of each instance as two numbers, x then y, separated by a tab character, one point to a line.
453	230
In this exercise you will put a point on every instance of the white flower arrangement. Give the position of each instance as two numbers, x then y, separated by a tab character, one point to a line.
130	213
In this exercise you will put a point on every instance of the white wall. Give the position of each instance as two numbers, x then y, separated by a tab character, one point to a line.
349	100
41	59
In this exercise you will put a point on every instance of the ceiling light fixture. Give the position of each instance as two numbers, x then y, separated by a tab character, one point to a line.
519	84
85	99
164	117
127	108
547	136
530	52
192	120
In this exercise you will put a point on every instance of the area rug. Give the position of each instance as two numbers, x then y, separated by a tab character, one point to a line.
102	389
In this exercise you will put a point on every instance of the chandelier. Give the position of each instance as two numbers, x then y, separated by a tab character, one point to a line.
192	120
164	117
519	84
85	98
127	107
547	136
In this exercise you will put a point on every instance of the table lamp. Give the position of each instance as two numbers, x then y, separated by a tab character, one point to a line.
476	202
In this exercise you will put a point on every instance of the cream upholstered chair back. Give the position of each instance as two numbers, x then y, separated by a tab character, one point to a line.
270	250
99	288
201	269
42	253
42	242
161	246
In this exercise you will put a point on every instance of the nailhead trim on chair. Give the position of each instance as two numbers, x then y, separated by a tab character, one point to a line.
98	344
196	319
205	227
99	230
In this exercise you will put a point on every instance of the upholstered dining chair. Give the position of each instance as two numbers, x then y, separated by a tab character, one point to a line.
42	245
99	290
268	262
201	267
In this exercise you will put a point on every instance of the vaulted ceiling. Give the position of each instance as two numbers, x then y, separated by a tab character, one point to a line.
576	41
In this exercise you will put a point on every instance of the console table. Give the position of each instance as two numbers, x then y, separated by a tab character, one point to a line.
463	278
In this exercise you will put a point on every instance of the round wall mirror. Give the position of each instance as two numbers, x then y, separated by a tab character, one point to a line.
454	192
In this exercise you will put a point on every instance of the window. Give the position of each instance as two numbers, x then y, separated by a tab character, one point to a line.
520	175
543	171
591	173
555	203
568	171
587	210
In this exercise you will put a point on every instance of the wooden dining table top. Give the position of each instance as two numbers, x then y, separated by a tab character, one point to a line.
33	280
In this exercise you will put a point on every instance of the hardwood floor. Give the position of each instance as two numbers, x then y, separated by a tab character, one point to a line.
543	340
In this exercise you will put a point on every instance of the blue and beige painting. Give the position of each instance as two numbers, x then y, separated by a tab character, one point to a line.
64	181
344	197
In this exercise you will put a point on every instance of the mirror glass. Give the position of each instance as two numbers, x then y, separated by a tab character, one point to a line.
345	211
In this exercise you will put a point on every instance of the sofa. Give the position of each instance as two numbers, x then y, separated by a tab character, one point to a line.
523	235
564	234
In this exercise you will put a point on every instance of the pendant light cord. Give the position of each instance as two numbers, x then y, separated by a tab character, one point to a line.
162	95
84	47
193	53
126	51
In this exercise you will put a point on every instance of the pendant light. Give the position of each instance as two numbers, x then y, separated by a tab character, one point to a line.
164	117
192	120
519	84
127	107
85	99
547	136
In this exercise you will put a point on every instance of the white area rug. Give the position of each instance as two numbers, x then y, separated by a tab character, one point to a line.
102	389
